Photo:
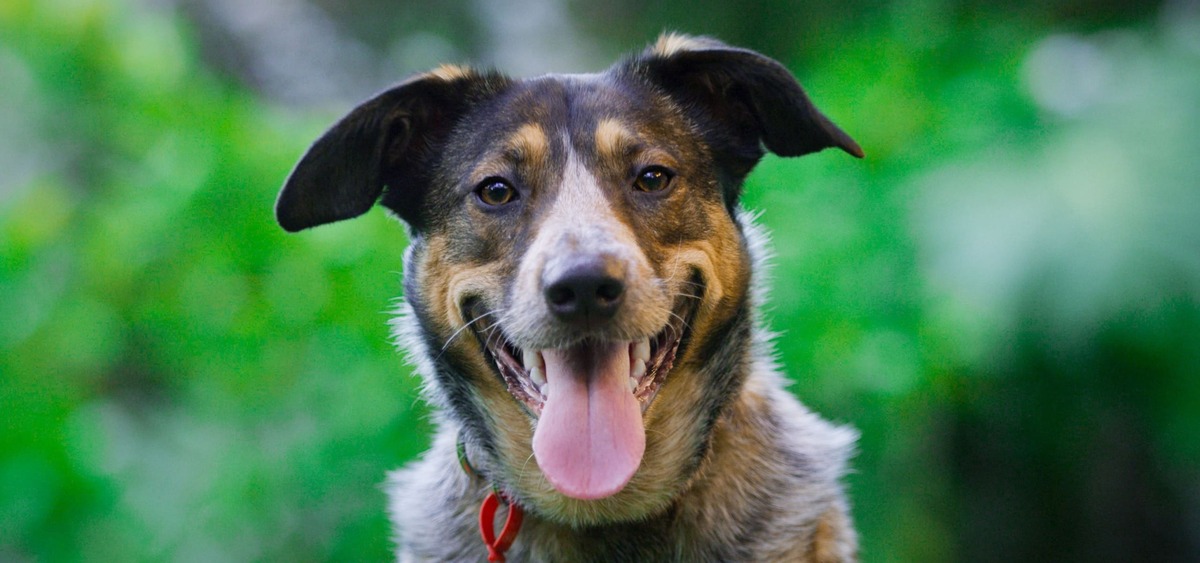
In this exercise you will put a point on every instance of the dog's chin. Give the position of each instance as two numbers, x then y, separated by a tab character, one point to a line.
588	400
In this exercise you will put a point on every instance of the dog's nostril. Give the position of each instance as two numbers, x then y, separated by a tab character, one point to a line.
609	290
560	295
586	293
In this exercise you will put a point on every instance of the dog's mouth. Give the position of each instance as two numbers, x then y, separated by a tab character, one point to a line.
650	358
589	399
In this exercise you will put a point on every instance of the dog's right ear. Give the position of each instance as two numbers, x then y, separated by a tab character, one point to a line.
384	145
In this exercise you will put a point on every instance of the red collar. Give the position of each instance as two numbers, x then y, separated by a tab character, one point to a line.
496	546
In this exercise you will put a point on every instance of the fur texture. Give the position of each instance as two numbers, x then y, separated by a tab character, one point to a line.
516	189
767	490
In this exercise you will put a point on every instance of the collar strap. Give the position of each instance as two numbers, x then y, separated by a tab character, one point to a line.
496	545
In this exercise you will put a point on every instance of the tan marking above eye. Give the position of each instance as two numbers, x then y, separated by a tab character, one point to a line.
613	140
529	143
619	149
527	146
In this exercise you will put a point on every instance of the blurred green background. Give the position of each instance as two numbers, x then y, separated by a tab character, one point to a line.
1004	296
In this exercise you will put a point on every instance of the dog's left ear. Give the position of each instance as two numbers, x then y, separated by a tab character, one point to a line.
752	100
384	148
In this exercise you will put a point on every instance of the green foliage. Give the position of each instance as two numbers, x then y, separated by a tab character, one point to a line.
1004	296
177	372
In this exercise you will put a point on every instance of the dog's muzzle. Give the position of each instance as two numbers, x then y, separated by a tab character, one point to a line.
590	394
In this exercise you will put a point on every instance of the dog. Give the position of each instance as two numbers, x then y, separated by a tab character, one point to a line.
580	294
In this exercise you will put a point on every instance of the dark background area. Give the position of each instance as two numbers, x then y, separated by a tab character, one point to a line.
1004	297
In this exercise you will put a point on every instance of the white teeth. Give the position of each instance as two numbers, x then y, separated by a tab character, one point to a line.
639	369
532	359
641	350
535	364
639	355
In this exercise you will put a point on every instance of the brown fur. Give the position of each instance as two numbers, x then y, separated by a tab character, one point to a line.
735	468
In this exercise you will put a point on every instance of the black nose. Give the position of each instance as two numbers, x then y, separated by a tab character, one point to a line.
587	291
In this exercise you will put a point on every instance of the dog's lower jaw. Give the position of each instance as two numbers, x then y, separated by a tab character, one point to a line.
786	506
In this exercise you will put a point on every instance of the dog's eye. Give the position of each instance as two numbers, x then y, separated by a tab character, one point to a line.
495	192
653	179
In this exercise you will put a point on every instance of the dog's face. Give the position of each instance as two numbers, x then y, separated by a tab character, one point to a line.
576	262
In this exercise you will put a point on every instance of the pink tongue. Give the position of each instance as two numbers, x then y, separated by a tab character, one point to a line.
589	438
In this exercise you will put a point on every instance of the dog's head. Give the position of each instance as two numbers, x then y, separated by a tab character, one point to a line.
577	266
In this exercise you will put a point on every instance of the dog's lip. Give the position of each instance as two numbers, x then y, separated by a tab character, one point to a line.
527	385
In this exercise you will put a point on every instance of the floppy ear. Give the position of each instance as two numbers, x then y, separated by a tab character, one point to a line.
744	100
384	147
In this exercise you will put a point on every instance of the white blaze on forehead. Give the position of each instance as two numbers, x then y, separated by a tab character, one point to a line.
530	144
612	139
582	215
580	222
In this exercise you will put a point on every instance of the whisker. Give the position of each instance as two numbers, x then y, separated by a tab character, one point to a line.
521	472
494	332
461	329
684	324
458	332
675	265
